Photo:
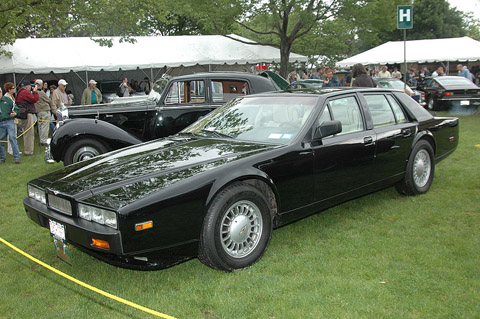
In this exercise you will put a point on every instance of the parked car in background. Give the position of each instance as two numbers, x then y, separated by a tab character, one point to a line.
451	93
397	84
305	84
109	91
218	188
96	129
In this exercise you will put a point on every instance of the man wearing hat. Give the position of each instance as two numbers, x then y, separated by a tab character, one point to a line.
91	95
60	97
43	107
27	96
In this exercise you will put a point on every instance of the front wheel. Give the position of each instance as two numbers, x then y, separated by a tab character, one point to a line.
82	150
237	228
420	170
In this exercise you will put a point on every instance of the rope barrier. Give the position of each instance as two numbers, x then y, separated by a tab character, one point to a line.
85	285
51	121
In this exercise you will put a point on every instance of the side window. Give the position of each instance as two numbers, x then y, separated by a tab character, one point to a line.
226	90
325	116
397	110
186	92
380	110
347	111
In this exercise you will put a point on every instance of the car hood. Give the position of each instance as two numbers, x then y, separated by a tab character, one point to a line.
116	179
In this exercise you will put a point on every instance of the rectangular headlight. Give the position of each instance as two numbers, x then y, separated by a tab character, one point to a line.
36	194
98	215
62	205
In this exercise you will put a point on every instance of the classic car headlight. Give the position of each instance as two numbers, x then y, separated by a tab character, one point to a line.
98	215
36	194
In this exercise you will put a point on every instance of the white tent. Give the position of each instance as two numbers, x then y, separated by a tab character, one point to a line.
62	55
419	51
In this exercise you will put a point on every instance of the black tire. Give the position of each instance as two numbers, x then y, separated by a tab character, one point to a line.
420	170
218	249
83	149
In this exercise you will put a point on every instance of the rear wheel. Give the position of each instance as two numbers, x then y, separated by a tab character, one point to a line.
83	149
237	228
420	170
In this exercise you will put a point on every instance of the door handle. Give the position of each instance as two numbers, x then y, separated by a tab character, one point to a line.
406	132
368	140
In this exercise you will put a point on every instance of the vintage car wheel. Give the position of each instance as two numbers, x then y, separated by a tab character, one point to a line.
420	170
237	228
82	150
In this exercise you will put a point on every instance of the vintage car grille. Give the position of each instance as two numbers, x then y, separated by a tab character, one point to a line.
62	205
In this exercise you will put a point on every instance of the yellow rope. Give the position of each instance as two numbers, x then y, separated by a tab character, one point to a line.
30	128
85	285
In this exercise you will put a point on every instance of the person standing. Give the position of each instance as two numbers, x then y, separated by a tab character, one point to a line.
438	72
463	71
43	108
124	88
26	99
396	74
384	73
59	96
361	78
8	111
331	80
91	95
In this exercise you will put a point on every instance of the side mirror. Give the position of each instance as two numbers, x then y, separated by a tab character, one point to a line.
327	128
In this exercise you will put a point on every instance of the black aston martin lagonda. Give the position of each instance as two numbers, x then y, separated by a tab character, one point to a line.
218	188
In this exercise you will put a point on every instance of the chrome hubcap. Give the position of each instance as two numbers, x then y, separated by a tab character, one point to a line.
421	168
241	229
85	153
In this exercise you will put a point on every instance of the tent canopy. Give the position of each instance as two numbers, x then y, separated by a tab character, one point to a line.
62	55
419	51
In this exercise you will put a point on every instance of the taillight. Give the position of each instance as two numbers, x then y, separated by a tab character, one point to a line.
448	93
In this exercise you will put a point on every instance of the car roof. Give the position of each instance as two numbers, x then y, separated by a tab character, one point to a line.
220	74
324	91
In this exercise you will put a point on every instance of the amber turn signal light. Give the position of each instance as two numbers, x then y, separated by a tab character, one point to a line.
100	243
144	225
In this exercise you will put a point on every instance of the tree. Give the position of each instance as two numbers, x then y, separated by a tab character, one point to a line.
282	22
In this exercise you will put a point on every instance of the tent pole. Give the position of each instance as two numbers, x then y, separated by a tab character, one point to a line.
151	75
86	76
14	79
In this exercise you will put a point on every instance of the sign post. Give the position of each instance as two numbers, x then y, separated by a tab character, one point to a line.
405	21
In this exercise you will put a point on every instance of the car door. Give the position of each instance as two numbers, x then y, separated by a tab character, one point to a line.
343	162
395	134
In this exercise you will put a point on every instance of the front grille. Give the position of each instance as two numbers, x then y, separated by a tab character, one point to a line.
62	205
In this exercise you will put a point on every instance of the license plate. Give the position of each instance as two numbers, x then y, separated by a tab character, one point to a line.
63	250
464	102
57	230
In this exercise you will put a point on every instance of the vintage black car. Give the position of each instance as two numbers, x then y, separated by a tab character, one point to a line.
97	129
217	189
451	93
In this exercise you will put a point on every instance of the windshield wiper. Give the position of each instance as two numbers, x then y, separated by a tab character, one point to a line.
217	134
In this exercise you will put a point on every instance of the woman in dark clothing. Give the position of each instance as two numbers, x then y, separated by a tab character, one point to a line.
362	79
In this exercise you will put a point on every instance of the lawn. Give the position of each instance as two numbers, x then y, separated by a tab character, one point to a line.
381	256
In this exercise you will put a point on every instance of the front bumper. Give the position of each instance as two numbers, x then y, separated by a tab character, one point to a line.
79	233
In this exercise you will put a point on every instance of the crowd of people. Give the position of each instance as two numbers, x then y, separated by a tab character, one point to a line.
21	108
413	75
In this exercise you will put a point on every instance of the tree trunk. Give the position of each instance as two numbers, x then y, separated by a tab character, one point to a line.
284	56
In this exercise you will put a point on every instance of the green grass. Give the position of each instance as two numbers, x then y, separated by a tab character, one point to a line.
380	256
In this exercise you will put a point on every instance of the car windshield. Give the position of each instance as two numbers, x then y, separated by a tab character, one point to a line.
454	81
270	119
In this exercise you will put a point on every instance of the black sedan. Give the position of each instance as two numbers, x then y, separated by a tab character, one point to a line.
217	189
451	93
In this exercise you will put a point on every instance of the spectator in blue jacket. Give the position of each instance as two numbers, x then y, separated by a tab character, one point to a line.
331	80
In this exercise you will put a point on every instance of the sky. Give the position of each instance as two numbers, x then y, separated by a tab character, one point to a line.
466	6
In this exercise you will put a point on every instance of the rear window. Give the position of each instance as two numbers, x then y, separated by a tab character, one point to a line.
454	81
